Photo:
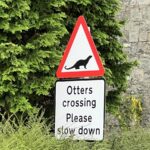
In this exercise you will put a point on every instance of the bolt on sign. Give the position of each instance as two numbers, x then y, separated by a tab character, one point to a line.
79	111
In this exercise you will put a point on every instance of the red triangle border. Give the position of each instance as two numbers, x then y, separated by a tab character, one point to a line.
75	74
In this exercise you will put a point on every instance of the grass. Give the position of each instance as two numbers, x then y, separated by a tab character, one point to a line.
133	139
35	134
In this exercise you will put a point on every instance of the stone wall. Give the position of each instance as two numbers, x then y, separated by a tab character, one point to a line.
136	43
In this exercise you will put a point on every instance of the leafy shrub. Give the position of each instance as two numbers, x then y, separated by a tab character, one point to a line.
33	134
33	35
30	34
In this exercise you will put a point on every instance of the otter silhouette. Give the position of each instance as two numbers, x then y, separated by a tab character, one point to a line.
81	62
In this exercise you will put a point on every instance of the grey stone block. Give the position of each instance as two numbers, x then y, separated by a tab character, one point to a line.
143	36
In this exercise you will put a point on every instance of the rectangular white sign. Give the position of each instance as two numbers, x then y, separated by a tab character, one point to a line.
80	109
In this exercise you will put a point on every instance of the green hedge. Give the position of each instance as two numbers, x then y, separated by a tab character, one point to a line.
33	36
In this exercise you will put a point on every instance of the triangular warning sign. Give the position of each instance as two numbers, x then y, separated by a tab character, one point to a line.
80	58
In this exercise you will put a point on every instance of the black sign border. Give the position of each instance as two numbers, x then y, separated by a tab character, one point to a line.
86	79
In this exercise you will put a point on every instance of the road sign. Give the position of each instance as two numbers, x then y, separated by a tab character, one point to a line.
80	58
80	109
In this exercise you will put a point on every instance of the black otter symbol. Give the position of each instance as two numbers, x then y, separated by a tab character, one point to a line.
81	62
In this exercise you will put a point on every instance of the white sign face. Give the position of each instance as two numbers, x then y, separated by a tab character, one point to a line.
80	109
80	51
